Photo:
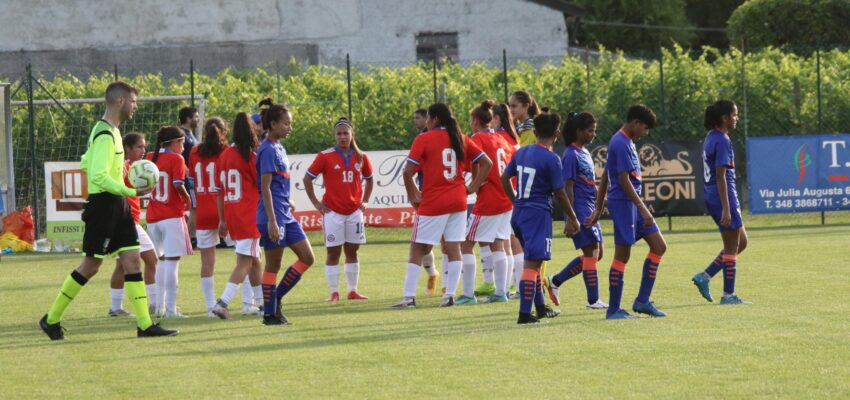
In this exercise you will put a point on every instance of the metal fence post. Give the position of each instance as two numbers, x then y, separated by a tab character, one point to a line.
435	79
744	103
820	115
33	158
661	112
115	71
192	81
505	72
587	67
277	75
348	79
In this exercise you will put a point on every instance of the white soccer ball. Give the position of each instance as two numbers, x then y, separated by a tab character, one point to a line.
143	174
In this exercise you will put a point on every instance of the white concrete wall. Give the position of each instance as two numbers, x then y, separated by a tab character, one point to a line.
371	30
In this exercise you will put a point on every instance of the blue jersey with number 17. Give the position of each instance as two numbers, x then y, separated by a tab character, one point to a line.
538	173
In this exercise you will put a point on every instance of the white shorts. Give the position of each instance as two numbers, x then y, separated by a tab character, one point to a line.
171	237
429	229
248	247
488	228
207	238
145	242
341	228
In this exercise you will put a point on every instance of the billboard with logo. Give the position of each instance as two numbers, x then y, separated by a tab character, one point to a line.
799	173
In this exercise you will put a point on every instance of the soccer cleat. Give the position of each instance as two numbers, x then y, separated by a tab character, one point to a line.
552	290
498	298
599	305
619	314
701	282
53	331
252	310
273	320
431	289
527	319
648	308
220	310
119	313
448	301
334	297
174	314
279	314
547	312
155	331
486	289
733	299
406	302
465	300
353	295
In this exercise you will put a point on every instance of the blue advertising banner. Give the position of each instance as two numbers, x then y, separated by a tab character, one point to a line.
799	173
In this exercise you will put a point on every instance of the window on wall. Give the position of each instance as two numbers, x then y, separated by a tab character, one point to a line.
438	46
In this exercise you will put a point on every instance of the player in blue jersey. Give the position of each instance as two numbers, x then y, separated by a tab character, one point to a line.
539	176
580	185
632	219
278	228
721	199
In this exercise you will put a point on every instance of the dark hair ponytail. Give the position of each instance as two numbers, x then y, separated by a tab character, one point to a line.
212	145
131	139
546	124
715	112
244	135
525	98
443	113
165	135
484	112
575	122
504	113
264	106
274	113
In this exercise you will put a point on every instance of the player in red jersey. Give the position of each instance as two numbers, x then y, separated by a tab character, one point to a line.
134	150
238	199
165	216
344	168
442	154
202	171
489	224
503	124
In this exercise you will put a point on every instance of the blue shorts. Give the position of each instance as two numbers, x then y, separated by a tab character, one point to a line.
291	233
628	223
586	236
533	228
715	209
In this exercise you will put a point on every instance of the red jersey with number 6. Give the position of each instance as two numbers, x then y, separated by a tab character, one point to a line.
342	176
443	184
203	171
165	202
491	199
238	184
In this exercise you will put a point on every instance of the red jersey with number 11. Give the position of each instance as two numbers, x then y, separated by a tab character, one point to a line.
203	171
238	184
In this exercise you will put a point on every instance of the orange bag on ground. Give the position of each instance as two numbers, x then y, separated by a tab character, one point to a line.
21	224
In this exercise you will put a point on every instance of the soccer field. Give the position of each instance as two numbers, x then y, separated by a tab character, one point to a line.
792	342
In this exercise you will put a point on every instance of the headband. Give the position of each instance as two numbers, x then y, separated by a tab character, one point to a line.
343	122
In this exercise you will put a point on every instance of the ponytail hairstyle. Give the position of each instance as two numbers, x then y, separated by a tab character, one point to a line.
264	105
165	135
244	135
574	123
443	113
525	98
212	145
546	124
504	113
274	113
131	139
343	121
484	112
715	112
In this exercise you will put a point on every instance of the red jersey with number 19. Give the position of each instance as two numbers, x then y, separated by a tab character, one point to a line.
203	171
342	177
491	199
238	183
443	184
165	202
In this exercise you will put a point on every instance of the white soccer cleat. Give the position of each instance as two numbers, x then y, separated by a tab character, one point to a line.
407	302
174	314
599	305
252	310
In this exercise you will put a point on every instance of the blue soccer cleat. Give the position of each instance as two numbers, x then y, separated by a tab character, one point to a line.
465	300
648	308
733	299
701	282
619	314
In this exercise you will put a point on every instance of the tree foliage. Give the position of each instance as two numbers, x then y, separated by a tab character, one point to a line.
796	24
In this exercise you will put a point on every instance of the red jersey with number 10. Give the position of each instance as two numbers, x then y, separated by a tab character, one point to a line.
443	184
203	171
238	184
165	202
342	178
491	199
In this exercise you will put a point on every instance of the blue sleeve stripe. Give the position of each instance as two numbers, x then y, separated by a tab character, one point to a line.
367	177
478	157
412	161
311	174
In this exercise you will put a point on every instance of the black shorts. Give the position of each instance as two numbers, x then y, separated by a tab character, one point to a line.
110	227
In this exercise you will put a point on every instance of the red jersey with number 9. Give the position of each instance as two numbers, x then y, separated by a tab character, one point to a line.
491	199
203	171
443	184
165	202
238	184
342	178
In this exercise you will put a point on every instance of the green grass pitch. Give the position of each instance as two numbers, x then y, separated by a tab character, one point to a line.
794	342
